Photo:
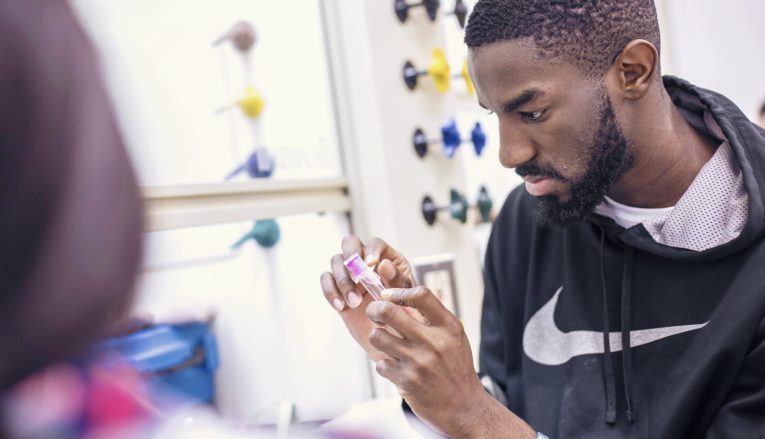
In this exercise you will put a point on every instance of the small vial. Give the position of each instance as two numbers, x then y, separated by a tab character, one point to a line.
363	274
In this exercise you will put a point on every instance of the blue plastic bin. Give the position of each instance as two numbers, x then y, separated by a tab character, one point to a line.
180	358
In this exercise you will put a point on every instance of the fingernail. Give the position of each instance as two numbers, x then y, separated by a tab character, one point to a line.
354	300
387	274
386	294
338	304
369	259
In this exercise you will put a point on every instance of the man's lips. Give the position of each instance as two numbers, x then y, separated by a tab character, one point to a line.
538	185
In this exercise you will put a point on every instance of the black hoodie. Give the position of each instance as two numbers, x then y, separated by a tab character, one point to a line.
685	324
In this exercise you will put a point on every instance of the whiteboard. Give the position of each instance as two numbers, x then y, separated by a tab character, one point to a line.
166	80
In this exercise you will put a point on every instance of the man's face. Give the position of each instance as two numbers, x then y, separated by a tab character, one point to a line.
557	129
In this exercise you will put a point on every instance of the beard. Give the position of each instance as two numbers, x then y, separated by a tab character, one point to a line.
609	157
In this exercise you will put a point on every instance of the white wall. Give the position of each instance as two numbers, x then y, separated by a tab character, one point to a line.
718	45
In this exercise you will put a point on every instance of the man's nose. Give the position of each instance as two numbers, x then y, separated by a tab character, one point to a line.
515	148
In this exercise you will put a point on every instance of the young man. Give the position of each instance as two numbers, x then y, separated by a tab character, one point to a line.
624	289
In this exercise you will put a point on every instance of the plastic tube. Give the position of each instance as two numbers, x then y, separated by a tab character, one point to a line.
363	274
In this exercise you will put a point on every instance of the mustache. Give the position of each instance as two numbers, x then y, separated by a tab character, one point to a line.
536	170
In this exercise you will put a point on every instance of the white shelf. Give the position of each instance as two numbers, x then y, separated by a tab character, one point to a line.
180	206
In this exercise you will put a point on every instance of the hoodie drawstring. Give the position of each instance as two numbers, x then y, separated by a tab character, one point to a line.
608	367
629	259
626	316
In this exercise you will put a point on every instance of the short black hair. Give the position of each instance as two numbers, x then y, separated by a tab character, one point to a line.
588	33
762	109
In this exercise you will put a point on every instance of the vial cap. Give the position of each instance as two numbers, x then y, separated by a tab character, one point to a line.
356	266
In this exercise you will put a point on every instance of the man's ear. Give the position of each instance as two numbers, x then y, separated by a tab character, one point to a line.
634	68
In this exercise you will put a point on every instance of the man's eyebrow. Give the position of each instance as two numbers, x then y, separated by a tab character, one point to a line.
522	99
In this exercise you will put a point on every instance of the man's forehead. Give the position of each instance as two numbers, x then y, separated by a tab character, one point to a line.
513	66
511	57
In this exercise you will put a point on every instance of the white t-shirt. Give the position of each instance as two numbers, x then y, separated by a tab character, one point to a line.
628	216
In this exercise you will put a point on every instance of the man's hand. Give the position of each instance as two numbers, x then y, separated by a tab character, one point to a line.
351	300
418	345
431	363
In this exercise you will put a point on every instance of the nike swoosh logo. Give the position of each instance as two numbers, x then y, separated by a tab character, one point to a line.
544	343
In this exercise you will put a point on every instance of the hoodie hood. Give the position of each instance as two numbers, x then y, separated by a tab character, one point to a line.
722	211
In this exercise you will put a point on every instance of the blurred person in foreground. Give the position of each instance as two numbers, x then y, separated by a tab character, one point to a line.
70	244
70	216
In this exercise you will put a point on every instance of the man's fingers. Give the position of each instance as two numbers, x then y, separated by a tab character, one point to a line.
389	369
379	252
352	245
331	292
421	299
391	276
376	250
344	283
395	317
389	344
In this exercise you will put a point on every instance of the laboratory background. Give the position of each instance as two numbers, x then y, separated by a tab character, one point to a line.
263	132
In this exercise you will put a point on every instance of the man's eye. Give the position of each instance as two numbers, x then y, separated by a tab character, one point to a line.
532	116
